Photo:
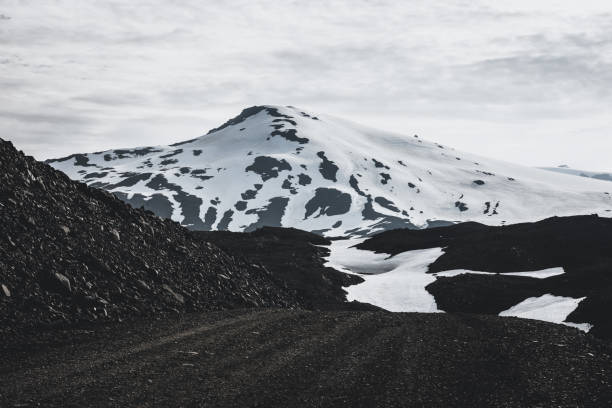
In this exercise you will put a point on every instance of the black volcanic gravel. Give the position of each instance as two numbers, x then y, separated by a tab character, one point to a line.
70	253
295	257
582	245
281	358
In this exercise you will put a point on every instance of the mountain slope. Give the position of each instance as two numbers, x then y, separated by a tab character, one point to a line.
69	253
581	173
280	166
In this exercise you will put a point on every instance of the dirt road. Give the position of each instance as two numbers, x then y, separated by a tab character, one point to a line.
275	358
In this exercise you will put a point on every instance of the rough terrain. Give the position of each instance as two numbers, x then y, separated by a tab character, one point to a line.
582	245
274	358
70	253
296	258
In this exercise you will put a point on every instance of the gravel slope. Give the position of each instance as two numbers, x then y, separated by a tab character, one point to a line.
70	253
280	358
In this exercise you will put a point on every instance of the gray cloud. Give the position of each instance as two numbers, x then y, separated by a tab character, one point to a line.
482	76
44	118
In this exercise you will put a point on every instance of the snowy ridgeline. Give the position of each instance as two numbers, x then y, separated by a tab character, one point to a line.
398	283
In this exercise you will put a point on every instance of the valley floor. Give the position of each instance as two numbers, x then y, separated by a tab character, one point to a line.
281	358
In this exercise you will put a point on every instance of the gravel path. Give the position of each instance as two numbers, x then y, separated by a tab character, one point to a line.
283	358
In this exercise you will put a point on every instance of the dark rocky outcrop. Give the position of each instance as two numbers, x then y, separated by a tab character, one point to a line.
268	167
70	253
328	201
327	168
295	257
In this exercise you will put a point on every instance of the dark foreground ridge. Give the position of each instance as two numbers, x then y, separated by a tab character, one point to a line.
274	358
295	257
70	254
582	245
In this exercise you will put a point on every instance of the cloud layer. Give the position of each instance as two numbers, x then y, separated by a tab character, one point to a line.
529	82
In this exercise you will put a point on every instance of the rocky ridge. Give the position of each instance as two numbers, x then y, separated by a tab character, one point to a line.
70	253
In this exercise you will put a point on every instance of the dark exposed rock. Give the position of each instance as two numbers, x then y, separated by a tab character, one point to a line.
291	122
383	202
172	153
88	274
129	181
225	220
328	201
270	215
387	222
293	256
304	179
190	204
355	185
96	175
369	213
249	194
79	160
125	153
201	174
168	161
378	164
385	178
268	167
290	134
209	219
287	185
327	168
461	206
244	115
156	203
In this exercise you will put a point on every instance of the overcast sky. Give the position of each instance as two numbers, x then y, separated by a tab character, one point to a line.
525	81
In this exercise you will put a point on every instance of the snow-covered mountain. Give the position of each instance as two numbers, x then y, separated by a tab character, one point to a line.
281	166
582	173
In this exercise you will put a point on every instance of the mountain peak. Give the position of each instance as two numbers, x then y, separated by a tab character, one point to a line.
281	166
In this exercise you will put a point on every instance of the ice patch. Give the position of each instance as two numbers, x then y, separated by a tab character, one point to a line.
548	308
395	283
542	274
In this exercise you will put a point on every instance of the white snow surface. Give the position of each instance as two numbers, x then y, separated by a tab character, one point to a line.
397	283
548	308
392	180
542	274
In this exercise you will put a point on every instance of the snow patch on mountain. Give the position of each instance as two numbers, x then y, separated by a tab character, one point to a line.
549	308
398	283
395	283
542	274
